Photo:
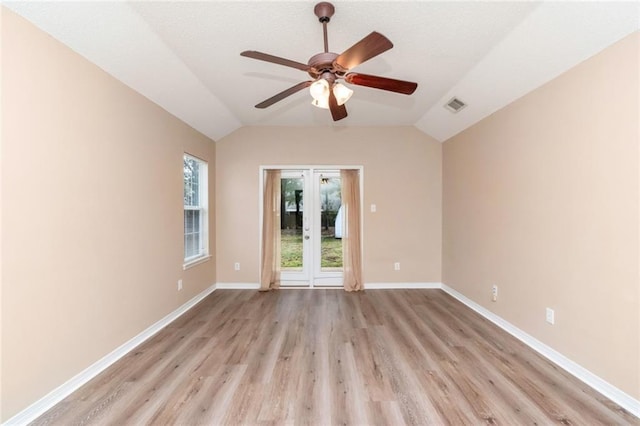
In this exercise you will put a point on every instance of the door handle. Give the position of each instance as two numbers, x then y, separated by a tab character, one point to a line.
306	237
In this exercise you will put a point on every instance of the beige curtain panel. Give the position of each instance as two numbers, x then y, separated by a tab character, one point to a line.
270	274
352	254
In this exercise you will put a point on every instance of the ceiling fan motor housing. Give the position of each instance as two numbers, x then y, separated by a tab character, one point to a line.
322	63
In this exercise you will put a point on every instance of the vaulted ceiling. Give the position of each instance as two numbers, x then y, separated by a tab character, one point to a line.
185	55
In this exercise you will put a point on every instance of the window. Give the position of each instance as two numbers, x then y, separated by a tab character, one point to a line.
196	244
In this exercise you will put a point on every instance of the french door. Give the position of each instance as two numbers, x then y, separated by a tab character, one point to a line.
310	228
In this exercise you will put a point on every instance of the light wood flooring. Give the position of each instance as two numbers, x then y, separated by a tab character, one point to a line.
322	357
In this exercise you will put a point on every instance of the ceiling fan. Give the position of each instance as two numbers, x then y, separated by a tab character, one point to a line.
327	68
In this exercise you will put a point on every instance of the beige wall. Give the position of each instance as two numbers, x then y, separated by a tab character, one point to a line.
402	176
541	199
91	214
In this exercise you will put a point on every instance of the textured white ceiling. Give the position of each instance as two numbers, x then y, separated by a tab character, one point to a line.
185	55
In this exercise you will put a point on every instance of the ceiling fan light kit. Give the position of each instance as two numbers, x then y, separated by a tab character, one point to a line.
326	68
342	93
319	90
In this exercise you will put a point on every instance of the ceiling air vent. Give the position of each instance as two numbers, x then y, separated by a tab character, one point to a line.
455	105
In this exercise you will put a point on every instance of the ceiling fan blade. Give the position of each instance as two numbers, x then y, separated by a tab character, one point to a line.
280	96
390	84
338	112
370	46
275	59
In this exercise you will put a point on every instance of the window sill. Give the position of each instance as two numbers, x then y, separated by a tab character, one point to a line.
194	262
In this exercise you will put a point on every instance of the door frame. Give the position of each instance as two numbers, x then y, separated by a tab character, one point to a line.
311	169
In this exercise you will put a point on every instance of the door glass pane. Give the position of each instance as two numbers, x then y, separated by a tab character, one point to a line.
330	224
291	223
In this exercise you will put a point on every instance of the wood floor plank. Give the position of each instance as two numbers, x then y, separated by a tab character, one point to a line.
447	399
369	366
321	357
416	408
213	404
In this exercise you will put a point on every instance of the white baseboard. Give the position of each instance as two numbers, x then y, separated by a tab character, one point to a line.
39	407
367	286
238	286
621	398
398	286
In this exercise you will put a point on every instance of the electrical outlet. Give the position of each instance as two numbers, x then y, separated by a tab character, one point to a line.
236	266
179	285
373	208
494	293
551	316
396	266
